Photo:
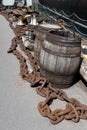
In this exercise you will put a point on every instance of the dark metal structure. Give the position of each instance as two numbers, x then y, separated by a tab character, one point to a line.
69	6
73	12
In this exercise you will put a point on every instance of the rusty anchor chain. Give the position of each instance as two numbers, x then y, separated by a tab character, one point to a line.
74	110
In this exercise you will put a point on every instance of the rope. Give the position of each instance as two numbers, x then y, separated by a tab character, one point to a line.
83	34
83	20
63	13
69	25
73	15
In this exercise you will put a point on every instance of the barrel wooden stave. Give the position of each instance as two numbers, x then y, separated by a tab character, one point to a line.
40	36
41	32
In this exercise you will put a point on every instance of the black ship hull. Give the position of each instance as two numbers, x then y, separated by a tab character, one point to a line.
78	7
73	12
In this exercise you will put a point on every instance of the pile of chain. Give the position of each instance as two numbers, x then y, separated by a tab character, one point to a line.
74	109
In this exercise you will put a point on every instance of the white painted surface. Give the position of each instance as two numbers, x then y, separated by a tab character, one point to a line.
29	3
8	2
18	101
50	26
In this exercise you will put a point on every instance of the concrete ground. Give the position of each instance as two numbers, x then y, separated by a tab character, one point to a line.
18	101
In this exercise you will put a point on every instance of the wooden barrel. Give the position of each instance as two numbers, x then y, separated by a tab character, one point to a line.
60	57
41	32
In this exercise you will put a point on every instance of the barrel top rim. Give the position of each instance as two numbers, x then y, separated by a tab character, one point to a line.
76	38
